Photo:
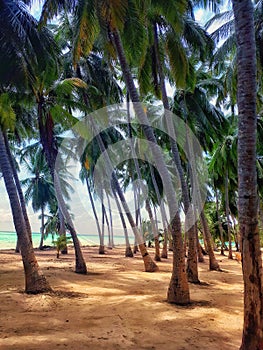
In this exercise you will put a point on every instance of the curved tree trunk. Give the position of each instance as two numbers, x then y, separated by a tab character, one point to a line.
247	177
230	255
35	281
128	250
178	291
199	252
213	264
80	265
163	215
190	235
155	231
18	186
101	248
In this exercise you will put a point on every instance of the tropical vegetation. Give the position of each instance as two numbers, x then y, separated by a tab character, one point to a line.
145	100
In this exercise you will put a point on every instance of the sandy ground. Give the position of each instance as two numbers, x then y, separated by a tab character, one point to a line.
117	306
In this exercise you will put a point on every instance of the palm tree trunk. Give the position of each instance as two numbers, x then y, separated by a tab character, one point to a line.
138	218
155	231
94	213
102	247
111	241
108	227
62	230
219	223
128	250
178	291
190	235
247	176
18	186
164	219
35	281
199	252
80	265
213	264
230	255
42	229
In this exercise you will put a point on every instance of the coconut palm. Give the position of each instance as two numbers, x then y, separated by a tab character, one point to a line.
24	47
51	98
39	186
247	177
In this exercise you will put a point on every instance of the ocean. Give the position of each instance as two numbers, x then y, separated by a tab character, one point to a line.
8	240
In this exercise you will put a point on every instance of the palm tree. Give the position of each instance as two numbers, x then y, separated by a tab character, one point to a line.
24	47
49	93
35	282
247	177
39	186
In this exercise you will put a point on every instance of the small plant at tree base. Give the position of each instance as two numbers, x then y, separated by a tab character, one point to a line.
60	243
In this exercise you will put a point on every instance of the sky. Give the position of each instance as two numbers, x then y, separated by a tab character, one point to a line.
80	207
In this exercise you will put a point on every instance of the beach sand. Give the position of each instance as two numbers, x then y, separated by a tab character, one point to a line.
117	306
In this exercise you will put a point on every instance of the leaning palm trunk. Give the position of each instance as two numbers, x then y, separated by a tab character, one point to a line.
128	250
190	235
46	130
163	215
230	255
108	227
155	231
18	186
35	281
247	177
80	265
101	248
213	264
199	251
178	291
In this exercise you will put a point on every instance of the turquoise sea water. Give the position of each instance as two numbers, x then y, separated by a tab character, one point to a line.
8	240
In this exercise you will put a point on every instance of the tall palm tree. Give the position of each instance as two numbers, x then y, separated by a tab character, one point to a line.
53	99
35	282
247	178
24	47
